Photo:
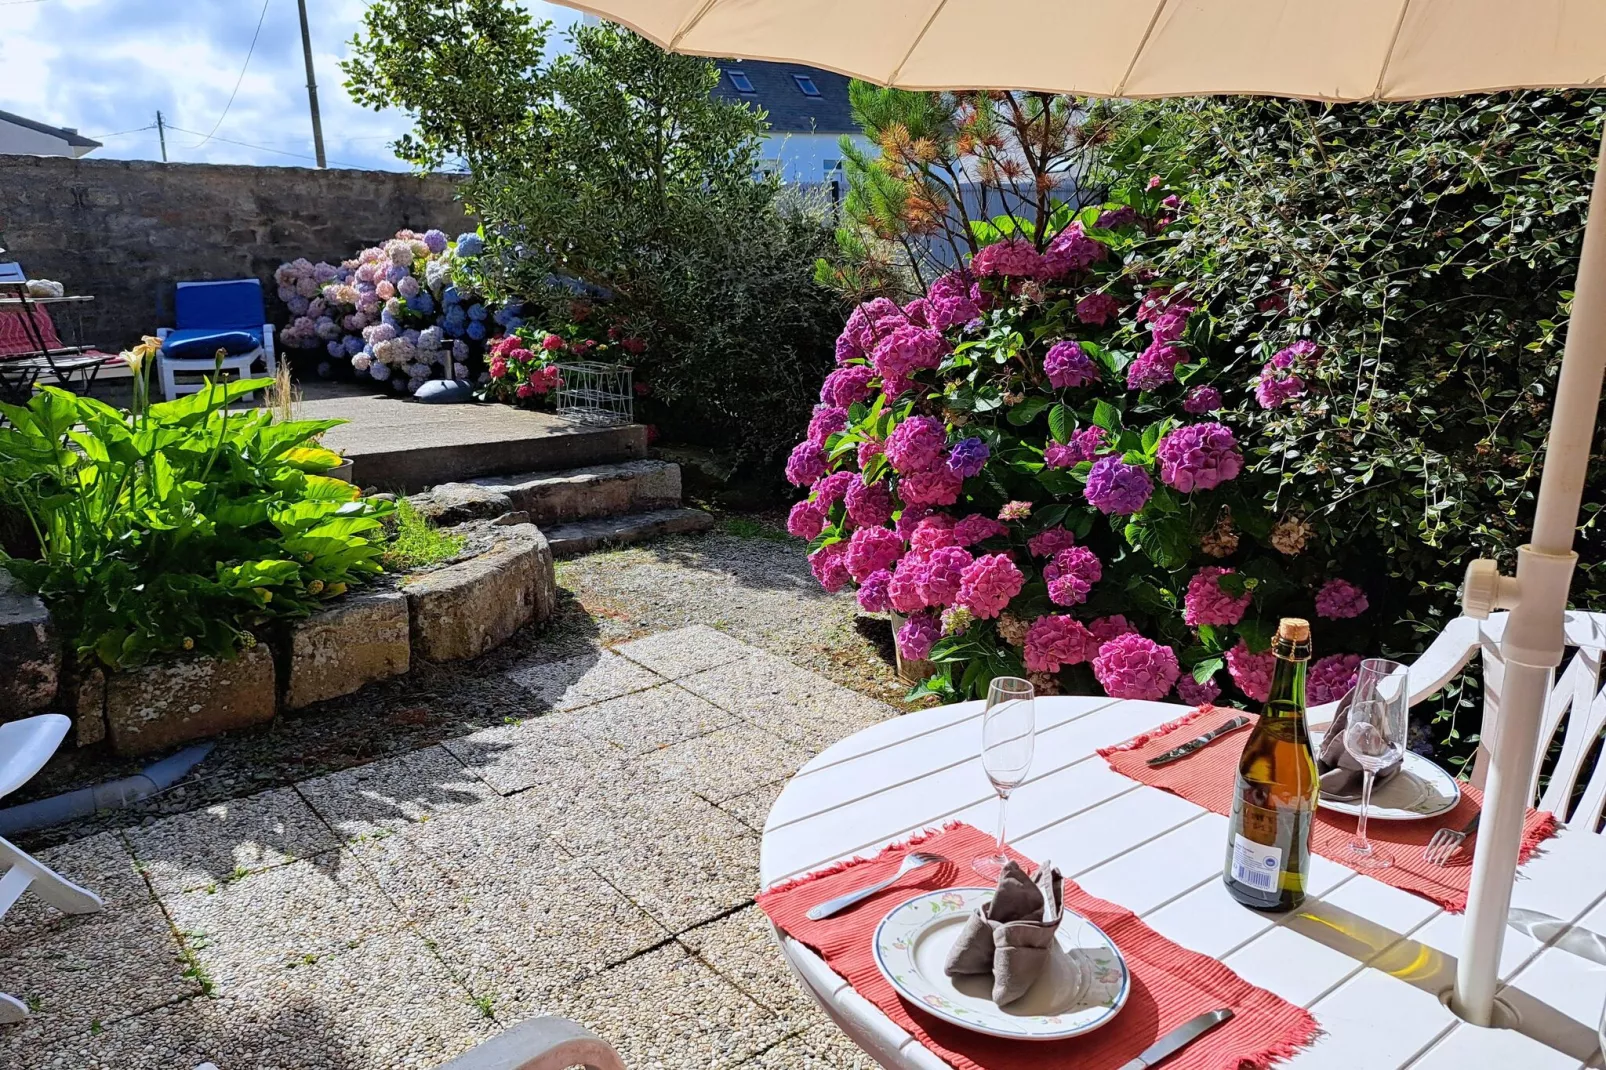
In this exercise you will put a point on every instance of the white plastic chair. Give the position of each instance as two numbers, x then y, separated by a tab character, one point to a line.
227	313
547	1043
1575	696
25	747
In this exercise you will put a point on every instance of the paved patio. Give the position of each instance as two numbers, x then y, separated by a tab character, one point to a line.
595	860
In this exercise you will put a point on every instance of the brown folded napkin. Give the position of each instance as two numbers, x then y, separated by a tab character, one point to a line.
1012	935
1341	774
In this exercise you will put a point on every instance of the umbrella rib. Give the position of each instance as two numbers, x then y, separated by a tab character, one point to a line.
1137	53
690	24
919	37
1388	57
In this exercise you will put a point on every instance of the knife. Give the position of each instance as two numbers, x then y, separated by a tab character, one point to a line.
1178	1038
1194	744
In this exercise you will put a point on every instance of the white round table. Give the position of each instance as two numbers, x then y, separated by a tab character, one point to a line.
1368	960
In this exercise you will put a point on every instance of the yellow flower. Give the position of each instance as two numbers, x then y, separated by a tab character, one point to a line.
189	644
135	358
315	586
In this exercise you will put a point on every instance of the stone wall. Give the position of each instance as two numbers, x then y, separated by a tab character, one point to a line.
126	230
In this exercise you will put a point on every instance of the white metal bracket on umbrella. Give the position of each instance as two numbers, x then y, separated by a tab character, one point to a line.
1533	642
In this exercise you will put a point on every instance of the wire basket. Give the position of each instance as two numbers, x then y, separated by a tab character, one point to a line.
596	393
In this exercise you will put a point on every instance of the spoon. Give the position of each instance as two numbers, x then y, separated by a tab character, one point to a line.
912	861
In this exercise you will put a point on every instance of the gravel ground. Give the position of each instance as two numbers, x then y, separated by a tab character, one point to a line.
389	878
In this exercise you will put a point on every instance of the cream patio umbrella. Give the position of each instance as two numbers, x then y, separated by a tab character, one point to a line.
1333	50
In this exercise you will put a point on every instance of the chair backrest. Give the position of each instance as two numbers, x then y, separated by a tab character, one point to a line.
230	303
16	341
1574	716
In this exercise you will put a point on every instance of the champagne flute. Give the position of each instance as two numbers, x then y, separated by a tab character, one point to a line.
1008	736
1375	735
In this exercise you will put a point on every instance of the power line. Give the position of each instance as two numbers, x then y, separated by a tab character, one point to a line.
263	148
119	133
238	80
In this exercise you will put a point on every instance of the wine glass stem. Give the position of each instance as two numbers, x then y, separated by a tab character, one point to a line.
1003	803
1366	805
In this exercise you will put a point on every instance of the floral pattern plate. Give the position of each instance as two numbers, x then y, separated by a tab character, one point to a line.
1418	791
1083	987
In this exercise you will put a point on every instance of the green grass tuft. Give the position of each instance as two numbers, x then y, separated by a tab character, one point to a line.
745	527
416	541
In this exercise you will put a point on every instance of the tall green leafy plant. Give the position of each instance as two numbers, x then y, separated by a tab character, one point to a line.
181	525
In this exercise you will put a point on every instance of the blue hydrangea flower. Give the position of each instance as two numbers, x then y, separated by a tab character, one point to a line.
353	344
476	311
451	296
422	303
470	245
968	457
476	330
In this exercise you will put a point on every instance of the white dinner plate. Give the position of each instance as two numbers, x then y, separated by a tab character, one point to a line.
1083	987
1418	791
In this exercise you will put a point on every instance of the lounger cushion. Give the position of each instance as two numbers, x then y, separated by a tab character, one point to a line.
203	344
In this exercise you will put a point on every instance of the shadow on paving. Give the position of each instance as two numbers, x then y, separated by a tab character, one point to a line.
432	703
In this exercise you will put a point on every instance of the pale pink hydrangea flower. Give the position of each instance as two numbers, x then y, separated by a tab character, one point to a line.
1015	510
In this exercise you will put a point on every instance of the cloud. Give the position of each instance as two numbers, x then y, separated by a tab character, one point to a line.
106	67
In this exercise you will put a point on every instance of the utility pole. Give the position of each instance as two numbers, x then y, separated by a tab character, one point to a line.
312	85
161	132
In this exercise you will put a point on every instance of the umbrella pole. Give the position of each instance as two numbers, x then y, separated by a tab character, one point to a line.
1532	645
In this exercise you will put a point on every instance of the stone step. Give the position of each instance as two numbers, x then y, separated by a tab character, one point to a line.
594	491
547	498
586	535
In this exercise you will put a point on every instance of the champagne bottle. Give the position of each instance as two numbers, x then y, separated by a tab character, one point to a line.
1268	837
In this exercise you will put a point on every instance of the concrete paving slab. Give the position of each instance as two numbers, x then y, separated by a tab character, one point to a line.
229	840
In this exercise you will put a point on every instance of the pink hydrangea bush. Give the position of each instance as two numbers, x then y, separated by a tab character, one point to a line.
1020	464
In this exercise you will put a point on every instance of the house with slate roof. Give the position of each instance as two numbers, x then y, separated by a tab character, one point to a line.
808	114
27	137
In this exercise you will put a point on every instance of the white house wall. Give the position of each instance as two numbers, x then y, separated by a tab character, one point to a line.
24	141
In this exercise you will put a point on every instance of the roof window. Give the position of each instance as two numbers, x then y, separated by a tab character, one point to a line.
742	83
806	84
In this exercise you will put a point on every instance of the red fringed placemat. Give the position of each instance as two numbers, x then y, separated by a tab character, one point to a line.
1208	778
1170	984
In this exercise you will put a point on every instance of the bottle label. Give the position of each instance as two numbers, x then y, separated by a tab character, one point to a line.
1257	865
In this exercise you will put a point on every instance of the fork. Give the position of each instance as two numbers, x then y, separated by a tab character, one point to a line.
1446	842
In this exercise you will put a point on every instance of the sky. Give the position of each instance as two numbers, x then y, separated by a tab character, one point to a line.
107	66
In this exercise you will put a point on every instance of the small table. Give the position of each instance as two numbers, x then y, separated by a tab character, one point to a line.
1368	960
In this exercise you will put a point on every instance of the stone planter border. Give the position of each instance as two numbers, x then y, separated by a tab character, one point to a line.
456	612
